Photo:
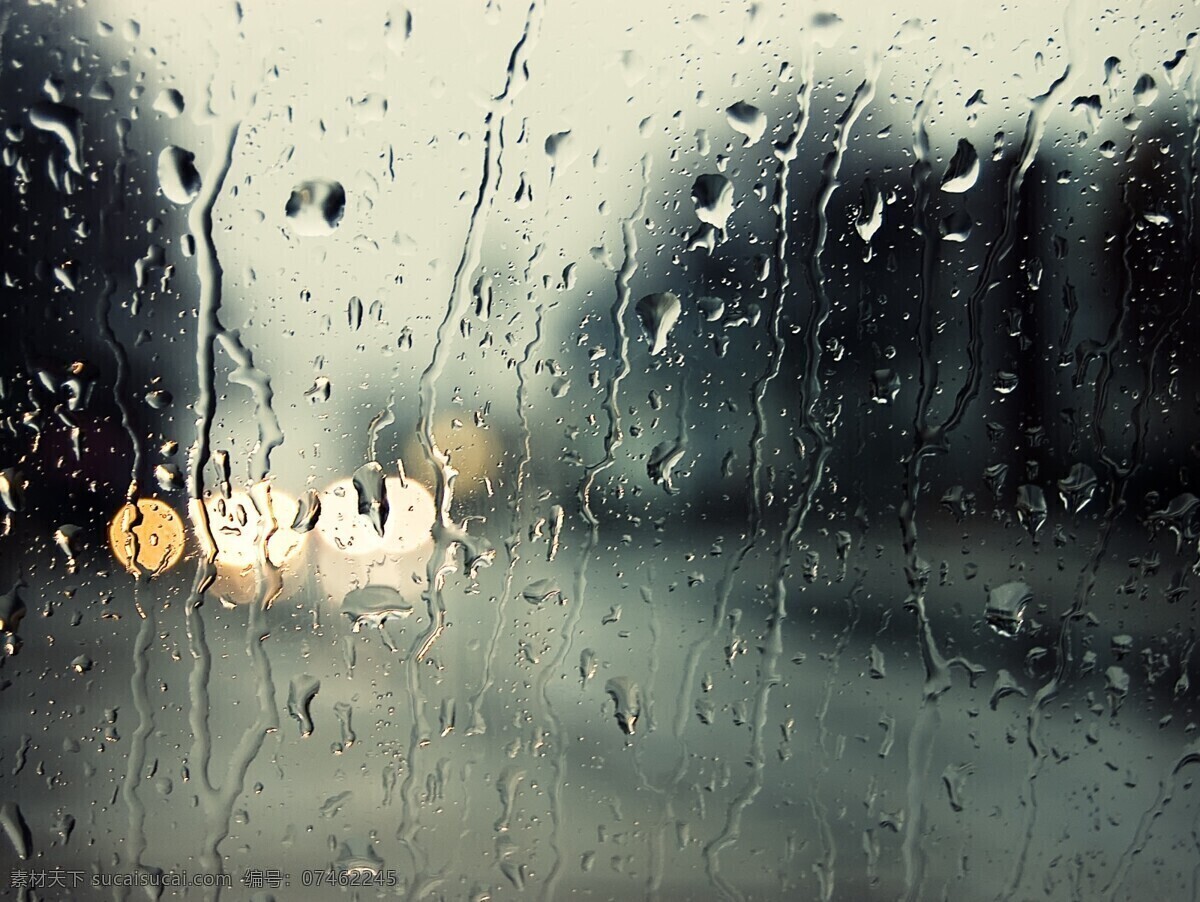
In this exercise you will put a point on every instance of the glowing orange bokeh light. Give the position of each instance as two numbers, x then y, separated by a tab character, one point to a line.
154	544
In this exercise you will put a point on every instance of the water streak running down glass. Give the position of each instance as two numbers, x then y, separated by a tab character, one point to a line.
556	450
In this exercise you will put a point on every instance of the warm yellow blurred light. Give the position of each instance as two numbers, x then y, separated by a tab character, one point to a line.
476	454
155	544
237	528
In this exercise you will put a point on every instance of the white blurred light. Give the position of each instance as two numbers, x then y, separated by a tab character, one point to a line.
237	528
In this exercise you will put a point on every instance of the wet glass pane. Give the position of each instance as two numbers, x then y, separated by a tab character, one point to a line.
559	450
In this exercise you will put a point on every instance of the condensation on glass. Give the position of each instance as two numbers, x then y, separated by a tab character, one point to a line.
558	450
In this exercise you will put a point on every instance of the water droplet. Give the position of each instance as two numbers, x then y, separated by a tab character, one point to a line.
65	123
371	487
168	476
63	827
712	309
1004	685
315	207
1031	508
319	392
870	213
1077	488
1112	72
633	66
1005	382
1092	108
956	226
177	175
963	170
159	399
301	692
332	806
563	149
102	91
1181	517
65	538
1005	609
374	606
1175	68
12	489
1116	687
713	196
398	29
1145	90
747	120
169	102
447	717
627	697
658	314
877	668
540	591
308	511
587	664
885	385
13	822
661	462
359	869
12	612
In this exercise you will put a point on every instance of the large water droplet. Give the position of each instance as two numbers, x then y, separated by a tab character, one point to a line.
371	487
1116	687
301	692
375	603
627	696
65	123
659	313
956	226
316	207
540	591
13	822
1145	90
308	511
12	612
169	102
885	385
712	309
963	170
1181	517
1077	488
1006	605
747	120
177	175
713	196
870	212
65	538
1112	72
1031	508
563	149
12	489
587	664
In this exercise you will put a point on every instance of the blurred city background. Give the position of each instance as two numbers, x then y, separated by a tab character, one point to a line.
687	451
